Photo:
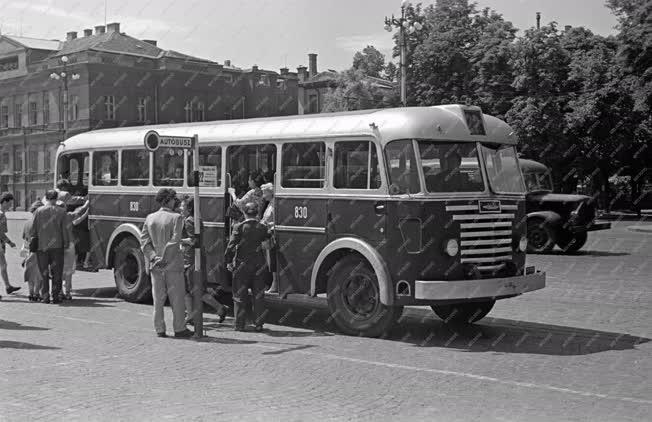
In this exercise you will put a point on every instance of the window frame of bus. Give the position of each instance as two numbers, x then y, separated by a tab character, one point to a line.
486	170
485	181
388	167
149	167
92	174
165	152
88	156
370	144
188	166
227	148
280	163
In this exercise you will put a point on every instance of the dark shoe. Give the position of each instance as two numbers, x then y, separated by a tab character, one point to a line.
67	296
45	300
56	301
12	289
31	298
183	334
221	315
162	335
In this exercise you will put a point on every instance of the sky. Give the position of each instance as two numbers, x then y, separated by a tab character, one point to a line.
268	33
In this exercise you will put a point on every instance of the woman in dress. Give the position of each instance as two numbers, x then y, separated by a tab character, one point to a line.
255	193
268	220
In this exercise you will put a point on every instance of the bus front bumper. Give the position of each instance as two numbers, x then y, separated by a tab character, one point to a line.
475	289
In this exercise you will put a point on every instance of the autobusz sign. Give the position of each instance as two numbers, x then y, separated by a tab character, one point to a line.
154	141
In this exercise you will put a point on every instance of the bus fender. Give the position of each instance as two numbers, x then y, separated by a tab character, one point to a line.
122	228
371	254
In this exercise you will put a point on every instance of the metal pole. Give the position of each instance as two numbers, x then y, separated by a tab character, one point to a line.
198	282
65	103
403	58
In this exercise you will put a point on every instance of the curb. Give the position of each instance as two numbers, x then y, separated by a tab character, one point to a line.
641	229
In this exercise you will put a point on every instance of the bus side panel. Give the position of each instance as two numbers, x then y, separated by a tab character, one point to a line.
298	248
362	218
212	212
136	205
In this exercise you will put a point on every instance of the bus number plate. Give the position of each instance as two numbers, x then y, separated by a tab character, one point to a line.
301	212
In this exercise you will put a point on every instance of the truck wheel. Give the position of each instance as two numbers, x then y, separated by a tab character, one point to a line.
540	238
129	271
463	313
572	242
354	299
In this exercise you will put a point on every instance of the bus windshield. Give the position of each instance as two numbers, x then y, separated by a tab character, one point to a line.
451	167
502	168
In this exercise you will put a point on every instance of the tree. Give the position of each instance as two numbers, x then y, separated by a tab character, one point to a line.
369	61
354	90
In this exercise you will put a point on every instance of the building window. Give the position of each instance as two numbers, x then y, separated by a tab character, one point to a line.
263	80
109	107
200	114
18	160
18	199
188	109
281	84
33	113
18	115
228	78
32	196
4	116
74	108
47	158
8	63
142	109
303	165
5	160
46	108
32	162
356	166
313	104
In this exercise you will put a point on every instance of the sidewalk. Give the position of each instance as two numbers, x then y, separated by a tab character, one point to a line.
646	215
642	229
18	215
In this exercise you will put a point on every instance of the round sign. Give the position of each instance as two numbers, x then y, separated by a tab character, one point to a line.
152	140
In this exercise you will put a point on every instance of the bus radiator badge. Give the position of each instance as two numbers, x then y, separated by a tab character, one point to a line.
489	206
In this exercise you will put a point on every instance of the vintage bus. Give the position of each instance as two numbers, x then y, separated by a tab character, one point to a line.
375	210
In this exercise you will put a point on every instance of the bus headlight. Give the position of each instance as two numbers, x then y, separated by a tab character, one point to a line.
452	247
522	244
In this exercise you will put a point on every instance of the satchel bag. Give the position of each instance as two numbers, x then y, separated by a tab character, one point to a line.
33	244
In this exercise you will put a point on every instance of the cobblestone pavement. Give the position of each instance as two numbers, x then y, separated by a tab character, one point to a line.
578	350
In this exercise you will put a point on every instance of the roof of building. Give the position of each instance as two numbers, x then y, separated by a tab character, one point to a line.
35	43
444	123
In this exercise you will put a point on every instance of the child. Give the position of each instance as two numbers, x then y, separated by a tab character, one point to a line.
32	273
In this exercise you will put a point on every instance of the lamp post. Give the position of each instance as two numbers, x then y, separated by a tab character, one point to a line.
403	24
63	77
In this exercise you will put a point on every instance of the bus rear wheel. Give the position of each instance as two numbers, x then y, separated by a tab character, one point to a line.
129	271
354	300
463	313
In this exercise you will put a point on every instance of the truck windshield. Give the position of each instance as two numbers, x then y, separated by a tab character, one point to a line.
538	181
502	168
451	167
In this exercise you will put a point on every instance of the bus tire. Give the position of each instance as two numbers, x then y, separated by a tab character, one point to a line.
571	242
540	237
354	300
131	280
463	313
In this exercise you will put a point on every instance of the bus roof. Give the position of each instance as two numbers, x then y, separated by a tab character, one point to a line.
531	166
444	122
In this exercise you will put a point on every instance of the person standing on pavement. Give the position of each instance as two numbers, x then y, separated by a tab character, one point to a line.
50	228
269	246
244	257
31	272
160	241
6	203
69	254
188	242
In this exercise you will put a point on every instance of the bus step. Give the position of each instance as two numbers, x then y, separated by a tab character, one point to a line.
297	299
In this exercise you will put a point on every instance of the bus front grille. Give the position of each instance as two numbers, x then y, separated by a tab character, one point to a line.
485	238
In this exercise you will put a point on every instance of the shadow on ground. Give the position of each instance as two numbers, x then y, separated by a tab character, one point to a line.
8	344
11	325
586	253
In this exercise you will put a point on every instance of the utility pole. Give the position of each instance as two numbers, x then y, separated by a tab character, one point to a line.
63	77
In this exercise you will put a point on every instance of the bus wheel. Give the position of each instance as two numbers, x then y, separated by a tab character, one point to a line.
463	313
354	300
569	242
129	271
540	238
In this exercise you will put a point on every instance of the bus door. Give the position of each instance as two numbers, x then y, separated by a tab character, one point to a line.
300	214
357	209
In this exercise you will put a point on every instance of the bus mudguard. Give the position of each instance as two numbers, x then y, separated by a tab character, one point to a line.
369	253
122	228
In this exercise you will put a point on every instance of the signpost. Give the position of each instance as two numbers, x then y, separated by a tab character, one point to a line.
154	141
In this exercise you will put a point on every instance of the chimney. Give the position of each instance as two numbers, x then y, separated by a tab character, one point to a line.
312	64
100	29
113	27
254	68
538	20
71	35
227	63
152	42
284	70
88	32
303	74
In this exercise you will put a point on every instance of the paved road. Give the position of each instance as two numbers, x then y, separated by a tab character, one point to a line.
578	350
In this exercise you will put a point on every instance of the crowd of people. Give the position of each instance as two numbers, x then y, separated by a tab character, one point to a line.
56	243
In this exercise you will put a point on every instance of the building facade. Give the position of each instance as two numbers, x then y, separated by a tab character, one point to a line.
119	81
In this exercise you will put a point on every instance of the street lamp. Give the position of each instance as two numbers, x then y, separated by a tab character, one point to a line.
403	24
63	77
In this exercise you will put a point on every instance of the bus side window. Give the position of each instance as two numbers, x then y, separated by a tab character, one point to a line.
356	167
210	156
105	168
74	168
303	165
168	167
135	167
246	159
402	167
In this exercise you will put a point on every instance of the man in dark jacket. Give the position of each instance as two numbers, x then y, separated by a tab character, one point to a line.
50	228
244	256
